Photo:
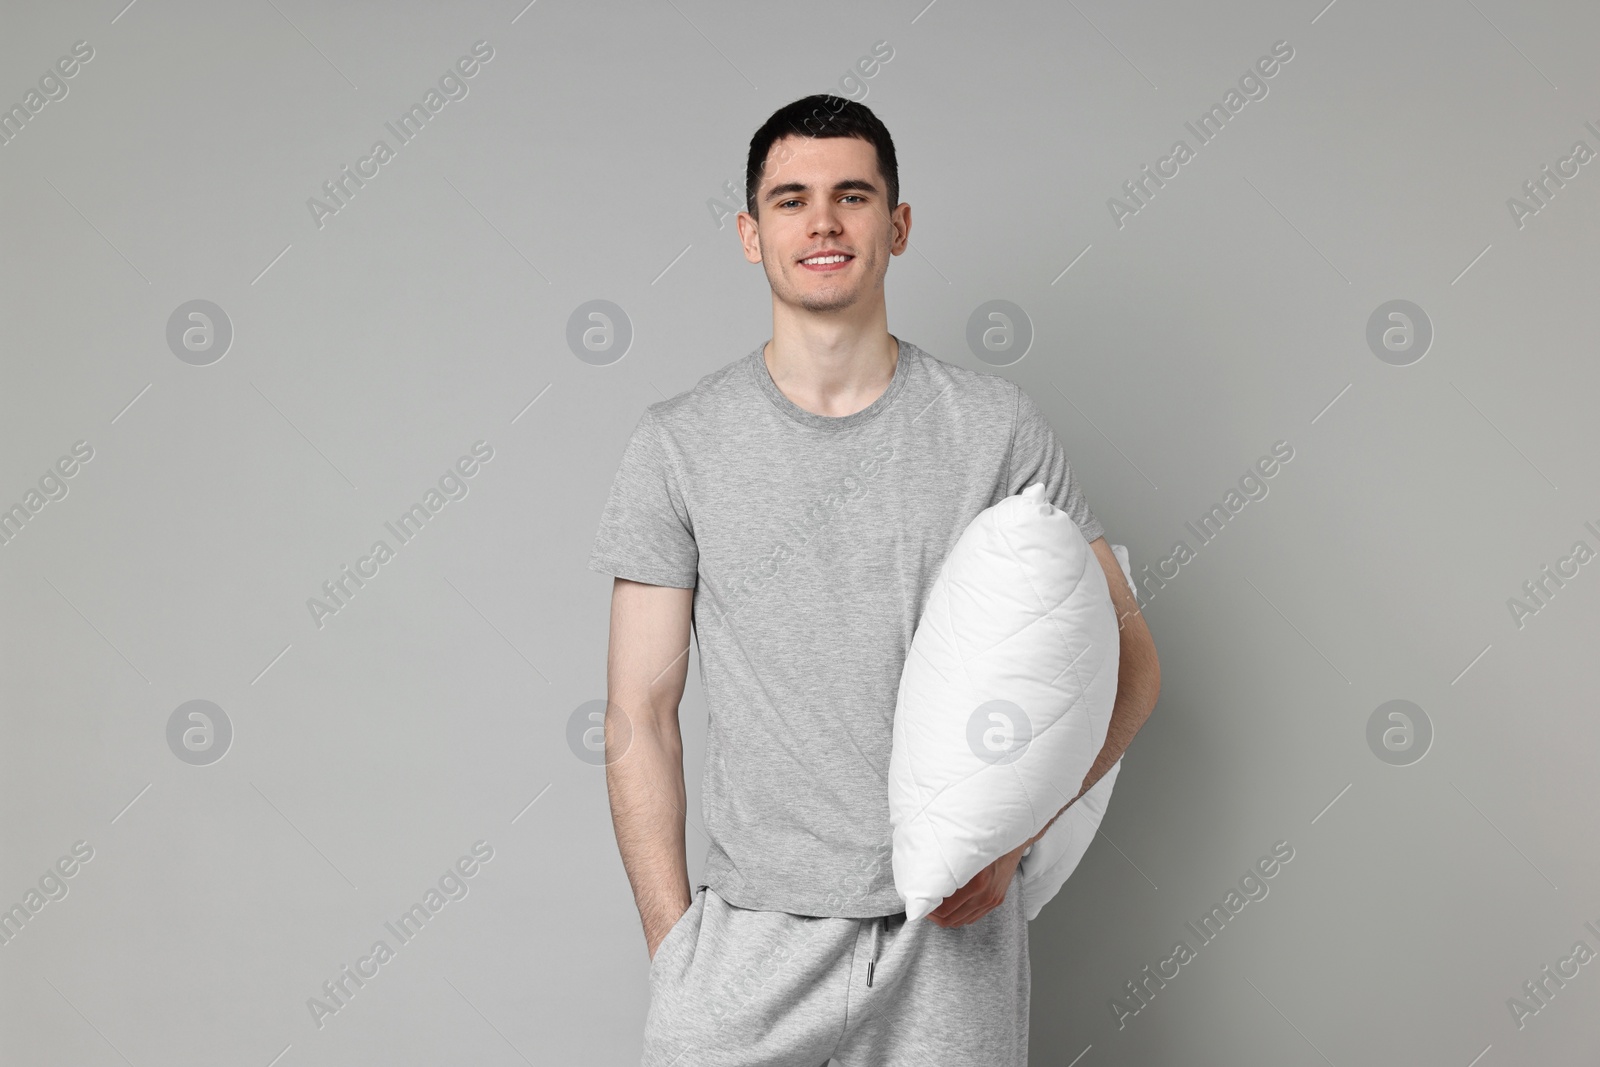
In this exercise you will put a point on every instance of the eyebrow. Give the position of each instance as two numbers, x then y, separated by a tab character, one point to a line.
849	184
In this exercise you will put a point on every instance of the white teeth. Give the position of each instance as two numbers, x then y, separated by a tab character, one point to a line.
826	259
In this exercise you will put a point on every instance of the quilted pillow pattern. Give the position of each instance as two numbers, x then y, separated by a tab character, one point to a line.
1003	705
1048	863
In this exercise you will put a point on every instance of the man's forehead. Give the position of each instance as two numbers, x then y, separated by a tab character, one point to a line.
829	168
794	147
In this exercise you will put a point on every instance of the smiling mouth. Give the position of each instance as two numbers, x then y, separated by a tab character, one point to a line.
831	261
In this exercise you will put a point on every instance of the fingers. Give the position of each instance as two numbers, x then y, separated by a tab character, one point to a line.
969	910
958	906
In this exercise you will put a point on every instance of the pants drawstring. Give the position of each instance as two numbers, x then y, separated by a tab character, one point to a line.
872	960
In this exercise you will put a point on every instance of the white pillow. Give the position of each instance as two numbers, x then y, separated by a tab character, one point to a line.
1048	861
1003	706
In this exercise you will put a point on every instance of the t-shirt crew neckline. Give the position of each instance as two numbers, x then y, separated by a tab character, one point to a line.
763	379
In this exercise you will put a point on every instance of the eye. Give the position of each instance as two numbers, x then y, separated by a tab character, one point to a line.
786	203
853	196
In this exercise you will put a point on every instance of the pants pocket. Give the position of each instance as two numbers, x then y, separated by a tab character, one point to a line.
669	942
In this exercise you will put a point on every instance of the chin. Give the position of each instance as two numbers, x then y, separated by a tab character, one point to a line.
825	304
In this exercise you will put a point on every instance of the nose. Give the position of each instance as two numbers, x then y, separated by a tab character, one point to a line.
825	219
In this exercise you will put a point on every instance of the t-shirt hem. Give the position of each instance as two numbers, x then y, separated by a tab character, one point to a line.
803	903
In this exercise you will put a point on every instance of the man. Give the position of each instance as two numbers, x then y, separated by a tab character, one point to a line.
798	503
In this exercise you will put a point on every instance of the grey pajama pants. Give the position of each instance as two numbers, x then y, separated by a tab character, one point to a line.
736	987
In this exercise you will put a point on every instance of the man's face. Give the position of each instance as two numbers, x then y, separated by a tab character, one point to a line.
820	196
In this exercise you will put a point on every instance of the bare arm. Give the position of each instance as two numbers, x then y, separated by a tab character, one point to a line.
1138	677
646	667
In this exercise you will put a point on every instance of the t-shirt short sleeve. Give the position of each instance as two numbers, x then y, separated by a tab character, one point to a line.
1036	456
645	530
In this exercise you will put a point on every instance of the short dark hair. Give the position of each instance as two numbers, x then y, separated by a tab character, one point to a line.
822	115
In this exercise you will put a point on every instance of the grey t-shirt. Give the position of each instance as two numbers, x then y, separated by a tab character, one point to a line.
812	543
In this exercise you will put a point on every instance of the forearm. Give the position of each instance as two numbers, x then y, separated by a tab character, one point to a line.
646	788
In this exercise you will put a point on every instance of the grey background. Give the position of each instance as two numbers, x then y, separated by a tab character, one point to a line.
431	312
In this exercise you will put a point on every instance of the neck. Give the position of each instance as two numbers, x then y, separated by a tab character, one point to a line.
833	379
